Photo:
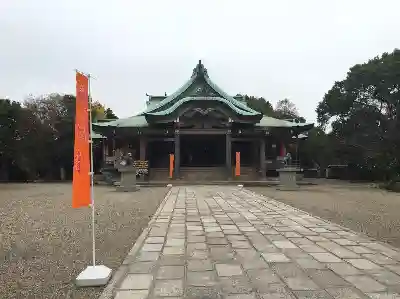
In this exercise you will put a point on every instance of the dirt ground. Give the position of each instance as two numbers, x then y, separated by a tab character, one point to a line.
359	207
45	243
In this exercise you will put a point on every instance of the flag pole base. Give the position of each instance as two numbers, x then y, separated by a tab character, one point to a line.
94	276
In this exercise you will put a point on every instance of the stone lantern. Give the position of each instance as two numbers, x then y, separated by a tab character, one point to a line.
124	164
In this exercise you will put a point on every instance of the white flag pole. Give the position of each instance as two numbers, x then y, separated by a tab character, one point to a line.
91	173
93	275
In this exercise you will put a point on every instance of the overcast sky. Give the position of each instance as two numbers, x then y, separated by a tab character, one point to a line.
275	49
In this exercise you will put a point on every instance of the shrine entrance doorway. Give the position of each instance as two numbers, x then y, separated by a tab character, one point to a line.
247	153
158	153
202	150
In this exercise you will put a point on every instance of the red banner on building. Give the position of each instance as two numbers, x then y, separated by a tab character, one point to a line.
237	168
81	171
171	165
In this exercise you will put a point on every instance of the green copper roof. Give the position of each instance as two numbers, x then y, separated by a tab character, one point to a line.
151	105
139	121
133	121
199	73
215	99
235	102
161	105
171	97
270	122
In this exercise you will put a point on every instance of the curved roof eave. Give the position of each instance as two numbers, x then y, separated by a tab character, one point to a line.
207	79
171	97
188	99
228	97
133	121
271	122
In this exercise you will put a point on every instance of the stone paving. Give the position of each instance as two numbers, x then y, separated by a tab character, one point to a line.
224	242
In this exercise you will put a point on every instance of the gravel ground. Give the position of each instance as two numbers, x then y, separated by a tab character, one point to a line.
45	243
364	209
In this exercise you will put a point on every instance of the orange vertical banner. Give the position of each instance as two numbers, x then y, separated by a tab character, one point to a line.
81	171
171	165
237	168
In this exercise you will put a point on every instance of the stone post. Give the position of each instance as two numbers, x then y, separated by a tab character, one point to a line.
124	164
177	153
228	153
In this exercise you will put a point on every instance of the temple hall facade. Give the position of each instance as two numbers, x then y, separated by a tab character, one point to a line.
203	129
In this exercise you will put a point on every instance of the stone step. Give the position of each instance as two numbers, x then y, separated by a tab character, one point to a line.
201	174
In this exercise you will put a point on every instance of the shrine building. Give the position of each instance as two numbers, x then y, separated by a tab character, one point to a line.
204	128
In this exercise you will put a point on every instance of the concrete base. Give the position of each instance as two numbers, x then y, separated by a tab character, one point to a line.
94	276
286	188
288	179
127	188
128	181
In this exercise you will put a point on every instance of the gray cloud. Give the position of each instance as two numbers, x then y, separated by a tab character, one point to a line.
274	49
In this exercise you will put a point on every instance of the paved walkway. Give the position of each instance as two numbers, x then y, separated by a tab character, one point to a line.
211	242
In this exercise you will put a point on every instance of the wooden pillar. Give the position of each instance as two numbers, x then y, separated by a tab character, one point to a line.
177	153
263	167
142	148
228	153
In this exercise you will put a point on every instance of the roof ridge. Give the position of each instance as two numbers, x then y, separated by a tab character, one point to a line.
171	97
219	99
198	71
230	98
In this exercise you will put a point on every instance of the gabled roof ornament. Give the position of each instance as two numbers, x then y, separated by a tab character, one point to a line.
200	70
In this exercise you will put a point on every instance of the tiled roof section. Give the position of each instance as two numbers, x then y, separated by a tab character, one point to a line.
190	99
139	121
157	98
230	98
153	101
171	97
164	105
200	71
240	98
151	104
271	122
133	121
